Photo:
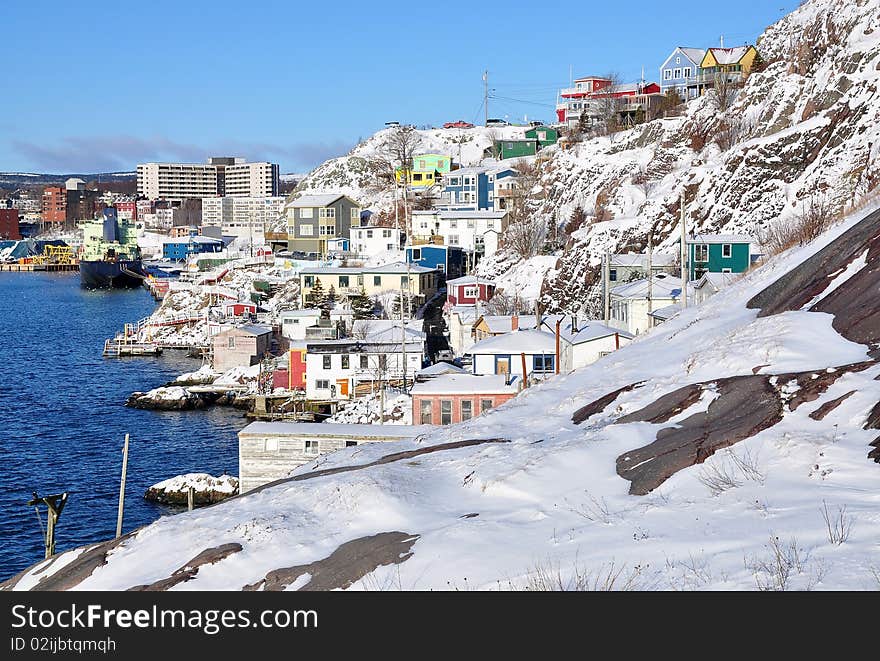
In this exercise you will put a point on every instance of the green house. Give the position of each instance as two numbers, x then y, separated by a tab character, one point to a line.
545	135
718	253
432	162
516	148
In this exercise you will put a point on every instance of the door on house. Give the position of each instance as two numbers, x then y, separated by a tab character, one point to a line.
342	385
502	365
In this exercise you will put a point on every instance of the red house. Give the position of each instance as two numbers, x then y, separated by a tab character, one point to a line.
451	398
296	369
9	228
468	290
239	309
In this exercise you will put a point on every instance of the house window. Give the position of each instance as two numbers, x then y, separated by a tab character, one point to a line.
306	230
417	177
345	362
453	181
386	234
369	234
445	411
543	363
726	271
726	250
701	253
311	447
453	224
351	444
677	74
322	384
667	74
416	254
271	445
327	213
426	412
230	342
467	409
377	280
612	275
485	405
404	281
328	230
326	362
307	212
471	292
365	362
343	281
687	72
678	60
383	361
355	215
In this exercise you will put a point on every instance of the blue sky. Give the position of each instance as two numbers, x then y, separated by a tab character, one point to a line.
101	86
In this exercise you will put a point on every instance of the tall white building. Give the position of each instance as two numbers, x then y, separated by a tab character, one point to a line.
219	176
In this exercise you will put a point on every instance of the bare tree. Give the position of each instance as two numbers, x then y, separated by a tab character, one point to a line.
506	304
607	106
725	87
396	156
526	231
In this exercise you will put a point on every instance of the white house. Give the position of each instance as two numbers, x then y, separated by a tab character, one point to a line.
295	322
583	343
335	368
504	354
632	303
710	284
473	231
459	323
369	240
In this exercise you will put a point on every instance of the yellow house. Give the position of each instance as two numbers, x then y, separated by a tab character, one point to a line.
418	282
418	178
735	63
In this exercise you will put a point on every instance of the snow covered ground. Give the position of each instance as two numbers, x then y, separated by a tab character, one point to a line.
522	496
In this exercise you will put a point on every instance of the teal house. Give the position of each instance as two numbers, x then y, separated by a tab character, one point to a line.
718	253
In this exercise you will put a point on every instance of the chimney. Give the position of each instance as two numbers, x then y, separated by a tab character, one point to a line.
574	324
514	322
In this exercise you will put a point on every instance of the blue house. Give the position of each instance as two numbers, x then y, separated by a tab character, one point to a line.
179	249
449	260
472	189
680	72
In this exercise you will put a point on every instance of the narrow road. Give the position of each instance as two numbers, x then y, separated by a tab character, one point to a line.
435	327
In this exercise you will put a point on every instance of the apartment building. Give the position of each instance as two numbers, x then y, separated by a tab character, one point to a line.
242	216
218	177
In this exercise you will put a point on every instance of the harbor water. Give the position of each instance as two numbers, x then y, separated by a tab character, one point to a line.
63	418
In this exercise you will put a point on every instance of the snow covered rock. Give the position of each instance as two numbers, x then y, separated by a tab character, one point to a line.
208	489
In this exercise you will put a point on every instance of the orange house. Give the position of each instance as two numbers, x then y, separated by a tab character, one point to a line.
451	398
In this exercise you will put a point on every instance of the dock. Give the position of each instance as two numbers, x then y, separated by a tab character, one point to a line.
19	267
120	346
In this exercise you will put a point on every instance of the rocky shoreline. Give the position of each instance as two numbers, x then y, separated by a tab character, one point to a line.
178	398
207	489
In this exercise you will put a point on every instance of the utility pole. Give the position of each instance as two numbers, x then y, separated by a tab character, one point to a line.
684	267
606	278
122	489
650	272
54	504
486	95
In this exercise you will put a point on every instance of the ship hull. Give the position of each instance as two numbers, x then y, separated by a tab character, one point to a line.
123	274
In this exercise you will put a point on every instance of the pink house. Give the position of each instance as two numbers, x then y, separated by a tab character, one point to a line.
469	289
241	346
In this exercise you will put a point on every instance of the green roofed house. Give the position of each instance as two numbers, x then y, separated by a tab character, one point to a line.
718	253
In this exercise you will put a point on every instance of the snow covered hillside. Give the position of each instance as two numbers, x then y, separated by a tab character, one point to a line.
727	449
804	131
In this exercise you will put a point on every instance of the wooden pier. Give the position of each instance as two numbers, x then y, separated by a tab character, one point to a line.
120	346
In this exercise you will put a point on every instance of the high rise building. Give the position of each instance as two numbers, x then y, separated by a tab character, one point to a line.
220	176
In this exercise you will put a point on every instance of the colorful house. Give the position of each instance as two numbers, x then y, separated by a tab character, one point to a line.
296	368
449	260
427	170
177	250
241	346
545	135
448	399
472	189
680	70
507	353
732	63
469	289
514	148
718	253
314	221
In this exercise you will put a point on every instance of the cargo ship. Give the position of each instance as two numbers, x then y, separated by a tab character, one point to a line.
111	257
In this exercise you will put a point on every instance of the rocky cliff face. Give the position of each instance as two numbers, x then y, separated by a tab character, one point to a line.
804	127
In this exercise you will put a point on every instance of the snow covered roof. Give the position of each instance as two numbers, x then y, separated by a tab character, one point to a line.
695	55
307	312
192	239
522	341
466	313
729	55
314	200
504	323
665	312
462	384
329	270
587	331
717	280
719	238
664	286
398	267
639	259
360	431
440	368
470	280
466	215
252	329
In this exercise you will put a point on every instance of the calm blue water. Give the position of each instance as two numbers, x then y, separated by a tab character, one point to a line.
63	419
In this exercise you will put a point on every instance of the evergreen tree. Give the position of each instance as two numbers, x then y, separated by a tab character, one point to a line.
362	306
318	296
329	303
